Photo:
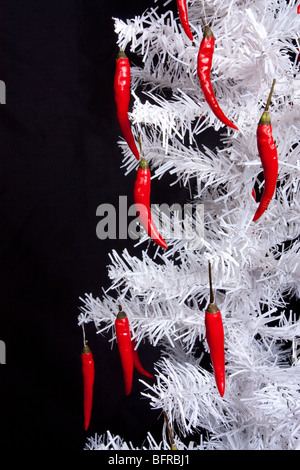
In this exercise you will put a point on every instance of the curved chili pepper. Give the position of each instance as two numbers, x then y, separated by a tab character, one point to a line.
183	16
204	64
141	195
88	373
122	98
268	154
125	348
215	339
136	361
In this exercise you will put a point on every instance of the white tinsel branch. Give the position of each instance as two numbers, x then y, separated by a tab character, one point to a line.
255	266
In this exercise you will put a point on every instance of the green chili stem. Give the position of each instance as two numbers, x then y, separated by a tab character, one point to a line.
121	314
86	349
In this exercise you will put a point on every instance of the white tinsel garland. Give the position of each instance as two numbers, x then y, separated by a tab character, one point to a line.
255	266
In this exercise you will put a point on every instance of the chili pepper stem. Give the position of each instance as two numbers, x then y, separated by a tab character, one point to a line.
140	145
122	94
121	314
143	164
215	338
173	445
270	96
183	16
265	118
210	284
88	373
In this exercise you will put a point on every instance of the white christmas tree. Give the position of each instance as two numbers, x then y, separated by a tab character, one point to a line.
255	265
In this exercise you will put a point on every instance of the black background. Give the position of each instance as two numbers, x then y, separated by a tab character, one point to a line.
59	161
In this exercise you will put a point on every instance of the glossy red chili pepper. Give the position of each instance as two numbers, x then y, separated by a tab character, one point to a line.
88	373
125	348
204	64
268	154
183	16
215	339
136	361
122	98
142	189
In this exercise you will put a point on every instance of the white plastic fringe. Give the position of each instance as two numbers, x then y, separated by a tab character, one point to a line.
255	266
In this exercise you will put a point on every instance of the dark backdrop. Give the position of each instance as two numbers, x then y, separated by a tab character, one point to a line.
59	161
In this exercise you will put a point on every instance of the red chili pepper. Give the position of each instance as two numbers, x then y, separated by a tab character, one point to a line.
205	57
142	190
268	154
88	373
298	9
122	99
183	16
136	361
125	348
215	339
